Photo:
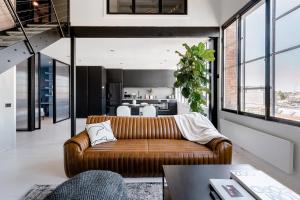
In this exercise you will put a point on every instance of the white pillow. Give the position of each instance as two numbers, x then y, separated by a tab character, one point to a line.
100	133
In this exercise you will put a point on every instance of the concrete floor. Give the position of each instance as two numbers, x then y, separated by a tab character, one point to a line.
38	159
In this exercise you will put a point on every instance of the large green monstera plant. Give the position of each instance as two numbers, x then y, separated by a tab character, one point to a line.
192	75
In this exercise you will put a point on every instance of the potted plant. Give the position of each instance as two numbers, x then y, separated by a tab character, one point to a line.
192	75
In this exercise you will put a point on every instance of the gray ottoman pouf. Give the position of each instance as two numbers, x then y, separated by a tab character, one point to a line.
91	185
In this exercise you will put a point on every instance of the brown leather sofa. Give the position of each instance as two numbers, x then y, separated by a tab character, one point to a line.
143	146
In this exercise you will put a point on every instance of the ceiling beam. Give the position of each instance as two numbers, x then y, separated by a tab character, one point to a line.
143	32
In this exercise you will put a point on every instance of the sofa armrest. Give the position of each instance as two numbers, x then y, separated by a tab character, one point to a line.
73	153
223	149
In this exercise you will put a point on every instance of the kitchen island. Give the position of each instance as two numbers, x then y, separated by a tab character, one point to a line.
164	106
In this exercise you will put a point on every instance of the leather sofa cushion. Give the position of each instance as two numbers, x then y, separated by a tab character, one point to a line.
135	158
133	145
144	145
141	127
182	146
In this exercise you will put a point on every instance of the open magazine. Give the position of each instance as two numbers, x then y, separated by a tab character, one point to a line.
251	184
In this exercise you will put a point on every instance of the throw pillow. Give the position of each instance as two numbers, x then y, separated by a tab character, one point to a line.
100	133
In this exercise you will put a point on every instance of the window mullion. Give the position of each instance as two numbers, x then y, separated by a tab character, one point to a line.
239	57
268	59
272	100
133	6
160	6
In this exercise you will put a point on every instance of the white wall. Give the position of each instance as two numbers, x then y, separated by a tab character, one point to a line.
8	115
229	8
93	13
287	132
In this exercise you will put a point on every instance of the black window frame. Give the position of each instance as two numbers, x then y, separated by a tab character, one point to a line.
160	12
236	18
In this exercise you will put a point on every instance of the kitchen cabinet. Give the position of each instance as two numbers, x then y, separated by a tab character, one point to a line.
114	75
90	91
171	108
148	78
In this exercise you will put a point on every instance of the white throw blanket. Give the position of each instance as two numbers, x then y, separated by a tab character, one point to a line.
197	128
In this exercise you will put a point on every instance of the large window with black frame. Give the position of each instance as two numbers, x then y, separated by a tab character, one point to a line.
244	61
285	66
252	52
147	7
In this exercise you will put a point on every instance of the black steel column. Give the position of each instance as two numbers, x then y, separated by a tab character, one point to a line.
213	105
31	93
73	84
54	90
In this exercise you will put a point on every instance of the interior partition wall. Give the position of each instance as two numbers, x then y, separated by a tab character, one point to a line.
61	86
22	96
27	95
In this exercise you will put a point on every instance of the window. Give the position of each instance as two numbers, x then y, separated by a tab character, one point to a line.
286	60
268	85
147	7
230	67
173	6
253	61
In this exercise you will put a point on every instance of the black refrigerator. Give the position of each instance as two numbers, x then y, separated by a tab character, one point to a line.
114	97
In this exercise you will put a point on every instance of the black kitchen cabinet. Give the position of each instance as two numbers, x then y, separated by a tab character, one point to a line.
114	75
114	90
148	78
90	91
82	92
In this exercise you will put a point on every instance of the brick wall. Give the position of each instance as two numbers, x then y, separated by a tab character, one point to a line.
230	67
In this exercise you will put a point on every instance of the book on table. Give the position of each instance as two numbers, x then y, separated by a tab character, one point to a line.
261	186
228	189
250	184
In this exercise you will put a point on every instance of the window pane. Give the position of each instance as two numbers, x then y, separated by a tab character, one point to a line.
120	6
173	6
287	31
146	6
254	24
287	85
253	87
282	6
230	67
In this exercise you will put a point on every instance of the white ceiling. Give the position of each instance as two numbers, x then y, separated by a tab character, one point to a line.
126	53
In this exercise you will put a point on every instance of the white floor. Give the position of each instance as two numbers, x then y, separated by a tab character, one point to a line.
38	159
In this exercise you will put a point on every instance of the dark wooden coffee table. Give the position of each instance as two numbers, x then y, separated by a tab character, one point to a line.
191	182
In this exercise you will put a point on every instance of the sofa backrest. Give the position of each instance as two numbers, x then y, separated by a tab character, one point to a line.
141	127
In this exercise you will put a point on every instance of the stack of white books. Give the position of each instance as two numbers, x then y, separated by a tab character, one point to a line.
250	184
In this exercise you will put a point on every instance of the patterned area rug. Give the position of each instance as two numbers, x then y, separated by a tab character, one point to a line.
136	191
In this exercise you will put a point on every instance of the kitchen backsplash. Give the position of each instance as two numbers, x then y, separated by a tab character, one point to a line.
159	93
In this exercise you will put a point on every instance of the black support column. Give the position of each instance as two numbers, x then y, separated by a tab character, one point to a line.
31	93
213	106
73	84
